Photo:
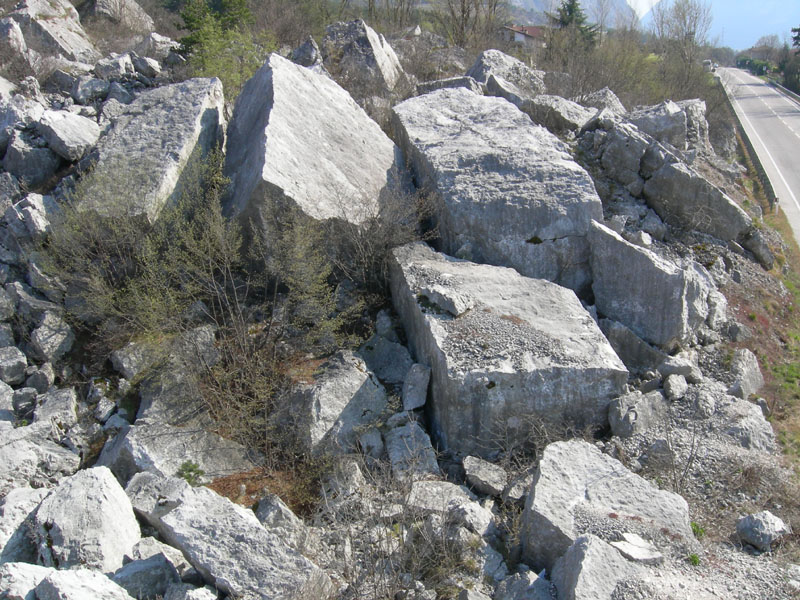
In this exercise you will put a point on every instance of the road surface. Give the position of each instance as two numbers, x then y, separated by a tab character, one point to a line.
772	122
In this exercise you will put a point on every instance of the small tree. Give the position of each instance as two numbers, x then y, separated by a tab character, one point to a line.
570	18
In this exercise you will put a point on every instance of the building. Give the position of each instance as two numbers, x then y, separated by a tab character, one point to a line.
530	36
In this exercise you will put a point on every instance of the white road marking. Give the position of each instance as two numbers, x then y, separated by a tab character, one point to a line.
775	164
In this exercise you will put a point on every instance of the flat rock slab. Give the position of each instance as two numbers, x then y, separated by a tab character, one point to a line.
298	137
141	159
575	476
637	549
79	584
228	545
510	192
52	28
68	135
503	349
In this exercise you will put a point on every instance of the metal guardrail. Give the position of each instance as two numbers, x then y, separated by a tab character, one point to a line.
785	92
763	178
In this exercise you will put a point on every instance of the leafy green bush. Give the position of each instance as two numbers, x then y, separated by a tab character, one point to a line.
191	472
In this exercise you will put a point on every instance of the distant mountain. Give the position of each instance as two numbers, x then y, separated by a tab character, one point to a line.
535	10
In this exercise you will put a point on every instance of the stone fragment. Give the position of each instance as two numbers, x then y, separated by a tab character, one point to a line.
525	585
79	584
510	192
328	411
309	55
748	377
12	365
10	190
744	422
636	412
69	135
603	99
141	160
16	111
557	114
18	580
666	122
133	358
428	497
127	13
271	145
273	514
52	28
59	407
185	591
697	130
114	67
390	361
148	547
87	89
761	529
361	60
575	476
86	521
415	387
147	578
485	477
15	508
31	218
523	350
53	338
635	548
148	67
507	76
679	296
31	164
681	365
637	355
675	387
590	570
156	46
226	542
410	452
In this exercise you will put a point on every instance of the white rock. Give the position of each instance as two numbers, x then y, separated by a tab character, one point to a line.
761	529
603	98
590	570
410	452
68	135
636	413
18	580
525	350
18	504
675	387
147	578
53	338
124	12
745	369
557	114
415	387
79	584
86	521
288	119
428	497
142	158
52	28
114	67
510	77
59	407
12	365
575	476
485	477
635	548
511	193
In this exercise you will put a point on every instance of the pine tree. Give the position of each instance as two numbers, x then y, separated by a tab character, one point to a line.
571	15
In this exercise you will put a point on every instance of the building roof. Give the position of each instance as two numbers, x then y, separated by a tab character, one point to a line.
532	31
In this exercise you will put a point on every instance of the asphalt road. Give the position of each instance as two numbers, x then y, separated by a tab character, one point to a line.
772	122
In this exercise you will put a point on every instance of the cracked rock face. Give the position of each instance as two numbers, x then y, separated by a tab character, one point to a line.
510	192
503	349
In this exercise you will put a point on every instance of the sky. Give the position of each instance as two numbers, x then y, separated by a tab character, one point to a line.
739	23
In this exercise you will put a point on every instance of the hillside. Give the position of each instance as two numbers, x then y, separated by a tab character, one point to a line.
376	317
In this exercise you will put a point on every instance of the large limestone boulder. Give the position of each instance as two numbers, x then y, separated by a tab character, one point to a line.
16	111
683	198
53	28
68	135
296	137
127	13
575	481
330	411
507	77
603	99
666	122
697	130
557	114
361	60
590	570
510	192
225	542
161	448
86	521
140	162
79	584
661	302
504	350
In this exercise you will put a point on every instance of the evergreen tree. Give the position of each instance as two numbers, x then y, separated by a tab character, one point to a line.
570	15
796	38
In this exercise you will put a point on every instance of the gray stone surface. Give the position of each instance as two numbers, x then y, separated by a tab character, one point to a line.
86	521
510	192
79	584
149	67
697	130
748	378
637	355
675	387
12	365
15	508
30	218
131	360
485	477
29	457
744	421
575	476
683	198
390	361
16	110
127	13
161	448
504	350
31	164
228	545
114	67
507	76
189	592
603	98
590	570
287	119
148	547
328	412
524	586
147	578
361	60
142	158
415	387
53	338
155	45
18	580
87	89
53	28
666	122
761	529
58	406
410	452
557	114
677	295
69	135
636	412
450	82
637	549
278	518
429	497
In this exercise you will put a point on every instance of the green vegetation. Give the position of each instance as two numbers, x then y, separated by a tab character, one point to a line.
693	559
191	472
697	530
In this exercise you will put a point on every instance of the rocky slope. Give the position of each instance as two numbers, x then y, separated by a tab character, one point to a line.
557	297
